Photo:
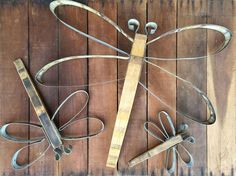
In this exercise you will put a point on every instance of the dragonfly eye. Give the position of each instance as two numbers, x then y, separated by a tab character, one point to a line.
150	28
68	150
133	25
58	153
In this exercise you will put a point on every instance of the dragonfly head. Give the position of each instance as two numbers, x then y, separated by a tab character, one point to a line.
150	27
62	150
183	130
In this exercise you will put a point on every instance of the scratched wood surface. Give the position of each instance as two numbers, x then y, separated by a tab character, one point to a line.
29	30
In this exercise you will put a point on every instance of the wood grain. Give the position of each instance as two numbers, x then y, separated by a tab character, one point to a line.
73	73
43	48
13	98
103	98
132	145
164	14
190	12
29	30
221	142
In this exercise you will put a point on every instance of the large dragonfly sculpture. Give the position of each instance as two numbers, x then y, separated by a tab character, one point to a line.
171	142
136	59
53	137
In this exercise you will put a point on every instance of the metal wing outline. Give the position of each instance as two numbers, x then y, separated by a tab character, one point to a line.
217	28
54	4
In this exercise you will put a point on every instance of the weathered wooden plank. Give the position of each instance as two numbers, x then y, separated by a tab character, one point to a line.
192	43
221	140
164	14
126	11
132	77
73	73
103	98
43	48
13	98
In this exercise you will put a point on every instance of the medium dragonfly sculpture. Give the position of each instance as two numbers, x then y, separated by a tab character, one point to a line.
136	59
170	142
52	137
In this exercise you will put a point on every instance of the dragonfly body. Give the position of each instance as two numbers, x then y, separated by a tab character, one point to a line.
127	97
49	128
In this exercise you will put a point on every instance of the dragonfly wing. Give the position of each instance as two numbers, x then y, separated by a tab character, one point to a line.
24	127
156	132
185	155
93	121
166	123
20	158
55	4
73	123
40	74
188	92
225	33
171	160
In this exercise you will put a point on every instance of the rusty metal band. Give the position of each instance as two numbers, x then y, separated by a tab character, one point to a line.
56	4
169	143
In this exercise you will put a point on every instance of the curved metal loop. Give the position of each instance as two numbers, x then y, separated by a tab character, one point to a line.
39	75
212	115
167	116
133	25
150	28
55	4
7	136
223	30
189	162
173	160
152	133
18	166
71	138
64	102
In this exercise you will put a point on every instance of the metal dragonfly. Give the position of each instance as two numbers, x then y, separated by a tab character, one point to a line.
136	58
52	137
170	142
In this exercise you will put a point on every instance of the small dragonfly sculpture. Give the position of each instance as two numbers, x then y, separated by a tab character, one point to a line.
136	58
52	134
170	142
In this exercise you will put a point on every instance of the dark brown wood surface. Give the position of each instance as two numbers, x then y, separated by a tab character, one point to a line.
29	31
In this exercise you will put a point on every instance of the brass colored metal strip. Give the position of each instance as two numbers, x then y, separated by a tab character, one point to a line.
156	150
49	127
127	98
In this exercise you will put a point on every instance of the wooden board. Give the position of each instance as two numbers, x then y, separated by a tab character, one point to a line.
221	144
71	43
29	30
189	13
103	98
164	13
13	98
43	48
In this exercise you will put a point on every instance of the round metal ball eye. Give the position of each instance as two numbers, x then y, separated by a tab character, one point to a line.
68	150
133	25
58	153
150	28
